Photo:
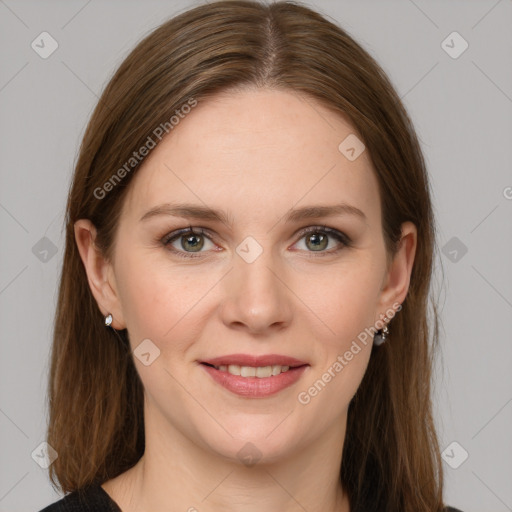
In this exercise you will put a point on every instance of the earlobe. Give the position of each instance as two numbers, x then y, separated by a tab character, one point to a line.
399	272
98	272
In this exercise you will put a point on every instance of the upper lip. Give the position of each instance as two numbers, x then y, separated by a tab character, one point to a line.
250	360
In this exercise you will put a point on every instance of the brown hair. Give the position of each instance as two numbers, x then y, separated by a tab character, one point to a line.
391	459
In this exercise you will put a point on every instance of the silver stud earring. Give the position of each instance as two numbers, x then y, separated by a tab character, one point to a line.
381	336
108	320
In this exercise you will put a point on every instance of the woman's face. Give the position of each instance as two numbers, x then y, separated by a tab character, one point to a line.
255	284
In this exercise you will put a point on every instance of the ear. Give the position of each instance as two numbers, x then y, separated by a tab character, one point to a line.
398	275
100	273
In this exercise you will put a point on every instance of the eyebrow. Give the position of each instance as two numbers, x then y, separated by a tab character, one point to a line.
186	210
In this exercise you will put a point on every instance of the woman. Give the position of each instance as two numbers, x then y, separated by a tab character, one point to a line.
242	318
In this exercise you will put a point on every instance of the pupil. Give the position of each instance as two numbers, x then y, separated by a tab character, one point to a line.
318	240
198	244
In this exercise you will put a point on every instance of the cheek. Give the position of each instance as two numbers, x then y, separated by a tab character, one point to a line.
345	299
343	350
160	299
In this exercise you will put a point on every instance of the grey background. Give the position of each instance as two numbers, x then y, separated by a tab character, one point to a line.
462	112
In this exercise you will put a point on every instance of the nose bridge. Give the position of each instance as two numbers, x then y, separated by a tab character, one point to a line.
255	295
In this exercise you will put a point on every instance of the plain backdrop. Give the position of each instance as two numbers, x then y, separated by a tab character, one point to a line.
460	99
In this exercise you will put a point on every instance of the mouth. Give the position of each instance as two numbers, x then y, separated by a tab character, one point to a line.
255	376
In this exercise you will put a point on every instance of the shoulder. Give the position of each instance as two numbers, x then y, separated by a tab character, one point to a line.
451	509
91	499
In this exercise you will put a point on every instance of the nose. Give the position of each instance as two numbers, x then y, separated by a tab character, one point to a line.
257	298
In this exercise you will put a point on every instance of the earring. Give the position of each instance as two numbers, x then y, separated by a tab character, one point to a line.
381	336
108	320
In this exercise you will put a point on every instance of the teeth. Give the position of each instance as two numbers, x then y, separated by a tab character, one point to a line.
247	371
251	371
263	371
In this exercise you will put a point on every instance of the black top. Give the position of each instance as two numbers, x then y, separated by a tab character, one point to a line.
95	499
91	499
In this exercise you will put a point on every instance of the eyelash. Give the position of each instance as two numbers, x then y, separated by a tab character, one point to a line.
334	233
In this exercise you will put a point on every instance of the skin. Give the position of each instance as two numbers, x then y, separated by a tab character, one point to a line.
255	154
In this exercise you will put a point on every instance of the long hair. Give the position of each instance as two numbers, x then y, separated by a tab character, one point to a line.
391	459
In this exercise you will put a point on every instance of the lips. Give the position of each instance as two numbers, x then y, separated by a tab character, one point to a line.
248	376
255	361
254	387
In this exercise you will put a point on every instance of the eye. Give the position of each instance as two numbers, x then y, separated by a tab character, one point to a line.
316	239
187	241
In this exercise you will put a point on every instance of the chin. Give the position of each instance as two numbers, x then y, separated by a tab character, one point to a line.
253	441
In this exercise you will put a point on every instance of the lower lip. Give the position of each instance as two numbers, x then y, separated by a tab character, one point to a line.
255	387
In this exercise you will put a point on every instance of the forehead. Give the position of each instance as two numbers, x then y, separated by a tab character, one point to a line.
264	149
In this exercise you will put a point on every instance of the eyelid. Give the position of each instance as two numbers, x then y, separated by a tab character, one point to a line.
335	233
185	231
